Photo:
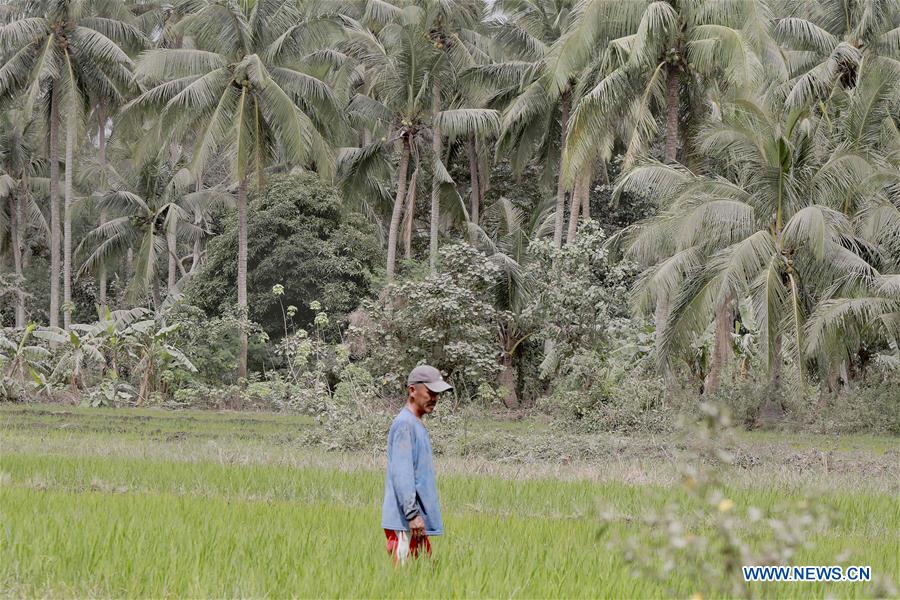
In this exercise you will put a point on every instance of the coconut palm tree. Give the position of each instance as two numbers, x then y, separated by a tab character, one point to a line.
857	324
146	199
536	104
859	317
405	55
473	96
773	225
153	20
20	184
825	40
159	20
61	51
658	60
244	84
452	32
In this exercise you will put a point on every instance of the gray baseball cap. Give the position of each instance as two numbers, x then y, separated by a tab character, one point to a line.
429	377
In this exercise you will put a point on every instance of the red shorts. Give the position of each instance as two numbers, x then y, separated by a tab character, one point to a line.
392	543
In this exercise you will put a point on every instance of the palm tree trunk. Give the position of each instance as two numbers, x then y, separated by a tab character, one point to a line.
17	237
775	373
410	212
198	221
54	206
507	380
560	187
721	346
129	263
579	198
660	317
398	210
574	211
67	227
484	176
155	296
101	151
586	184
242	272
197	253
845	374
672	106
586	200
474	194
435	184
172	248
604	173
832	379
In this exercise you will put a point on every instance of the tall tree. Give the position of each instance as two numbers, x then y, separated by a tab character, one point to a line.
860	317
59	51
657	59
20	184
452	33
402	58
245	86
72	130
774	226
535	121
144	197
826	40
506	237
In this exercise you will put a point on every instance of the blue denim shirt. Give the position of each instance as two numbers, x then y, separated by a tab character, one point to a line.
409	487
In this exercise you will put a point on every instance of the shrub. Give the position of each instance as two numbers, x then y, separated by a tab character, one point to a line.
633	404
871	406
447	320
211	343
349	418
577	303
110	392
744	397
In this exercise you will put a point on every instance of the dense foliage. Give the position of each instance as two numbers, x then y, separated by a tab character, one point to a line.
299	236
589	206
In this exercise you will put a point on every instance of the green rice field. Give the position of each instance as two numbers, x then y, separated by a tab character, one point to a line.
145	503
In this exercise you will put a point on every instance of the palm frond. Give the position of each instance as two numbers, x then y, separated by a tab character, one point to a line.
119	31
23	32
593	117
166	63
769	298
806	34
468	121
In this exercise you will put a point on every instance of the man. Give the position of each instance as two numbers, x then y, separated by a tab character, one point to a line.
410	512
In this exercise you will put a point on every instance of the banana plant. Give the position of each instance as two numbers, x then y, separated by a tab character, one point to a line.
22	363
86	346
147	343
82	347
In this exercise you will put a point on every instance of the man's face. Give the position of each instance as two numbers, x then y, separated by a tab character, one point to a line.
420	395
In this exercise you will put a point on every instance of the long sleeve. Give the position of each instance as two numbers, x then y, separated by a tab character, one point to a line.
402	470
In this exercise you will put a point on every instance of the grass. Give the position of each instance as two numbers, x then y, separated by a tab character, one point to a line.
161	504
151	423
875	444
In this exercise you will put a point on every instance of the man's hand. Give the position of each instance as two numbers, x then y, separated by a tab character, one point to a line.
417	528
